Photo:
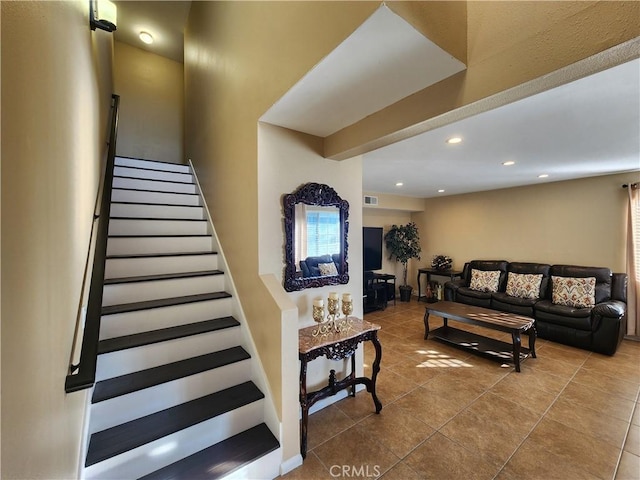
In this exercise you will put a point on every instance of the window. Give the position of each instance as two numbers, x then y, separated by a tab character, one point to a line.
323	231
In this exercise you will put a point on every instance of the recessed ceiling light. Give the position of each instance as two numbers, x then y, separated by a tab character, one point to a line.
544	175
399	184
508	163
146	37
454	140
441	191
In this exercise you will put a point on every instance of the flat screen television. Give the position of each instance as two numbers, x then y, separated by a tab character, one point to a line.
372	248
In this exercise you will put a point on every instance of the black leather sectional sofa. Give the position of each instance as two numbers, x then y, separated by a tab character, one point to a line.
598	325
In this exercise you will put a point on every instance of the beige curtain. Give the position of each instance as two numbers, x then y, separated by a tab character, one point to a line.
633	262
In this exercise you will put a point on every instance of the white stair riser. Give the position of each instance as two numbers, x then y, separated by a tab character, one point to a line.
267	466
131	360
137	245
133	210
153	174
135	162
165	198
129	323
146	458
116	411
116	294
130	267
155	185
157	227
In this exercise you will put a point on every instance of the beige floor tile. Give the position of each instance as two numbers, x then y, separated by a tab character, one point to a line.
311	469
396	429
529	389
443	459
564	353
510	415
629	468
632	444
458	391
575	447
325	424
533	461
414	370
612	385
596	423
588	397
358	407
390	386
549	365
401	471
358	451
429	407
636	415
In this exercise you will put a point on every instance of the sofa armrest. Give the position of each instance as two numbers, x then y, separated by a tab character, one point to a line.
451	287
609	323
609	309
619	287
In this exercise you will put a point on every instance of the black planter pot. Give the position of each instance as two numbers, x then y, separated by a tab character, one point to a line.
405	293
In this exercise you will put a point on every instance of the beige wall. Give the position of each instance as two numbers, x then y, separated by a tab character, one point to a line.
56	86
151	90
581	222
286	160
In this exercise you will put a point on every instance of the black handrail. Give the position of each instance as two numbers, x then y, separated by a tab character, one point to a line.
86	369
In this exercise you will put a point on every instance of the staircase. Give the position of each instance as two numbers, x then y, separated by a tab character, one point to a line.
174	396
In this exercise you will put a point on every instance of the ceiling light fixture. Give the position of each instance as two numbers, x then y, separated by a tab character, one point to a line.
508	163
441	191
146	37
544	175
454	140
399	184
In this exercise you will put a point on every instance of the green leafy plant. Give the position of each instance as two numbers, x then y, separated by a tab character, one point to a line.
403	243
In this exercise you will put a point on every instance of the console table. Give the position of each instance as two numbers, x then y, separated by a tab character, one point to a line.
336	346
452	274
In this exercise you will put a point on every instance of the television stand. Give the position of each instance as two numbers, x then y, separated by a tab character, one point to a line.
385	279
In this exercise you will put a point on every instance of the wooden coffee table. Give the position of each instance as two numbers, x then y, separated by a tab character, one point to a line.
484	317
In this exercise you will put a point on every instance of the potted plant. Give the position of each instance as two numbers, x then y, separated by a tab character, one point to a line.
403	243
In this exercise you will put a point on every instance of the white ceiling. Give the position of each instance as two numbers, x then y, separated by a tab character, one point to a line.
164	20
382	62
585	128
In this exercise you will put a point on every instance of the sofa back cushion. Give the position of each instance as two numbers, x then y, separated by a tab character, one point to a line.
527	268
601	274
487	266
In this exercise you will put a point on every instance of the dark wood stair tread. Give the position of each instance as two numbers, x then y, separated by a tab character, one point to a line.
222	458
163	276
163	302
159	255
159	219
164	334
122	438
133	382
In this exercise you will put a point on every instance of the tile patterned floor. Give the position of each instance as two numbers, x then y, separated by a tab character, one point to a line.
570	414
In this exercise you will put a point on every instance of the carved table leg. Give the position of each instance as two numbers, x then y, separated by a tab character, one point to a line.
532	341
516	349
305	407
353	374
375	368
426	324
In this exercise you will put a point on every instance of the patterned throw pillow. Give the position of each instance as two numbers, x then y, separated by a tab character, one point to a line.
485	280
524	285
327	269
574	292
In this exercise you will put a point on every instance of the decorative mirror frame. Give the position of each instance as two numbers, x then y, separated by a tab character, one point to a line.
316	194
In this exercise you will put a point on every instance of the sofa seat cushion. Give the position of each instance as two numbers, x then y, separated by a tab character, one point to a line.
473	297
573	317
507	303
